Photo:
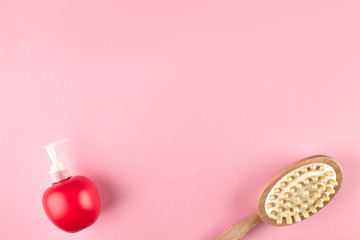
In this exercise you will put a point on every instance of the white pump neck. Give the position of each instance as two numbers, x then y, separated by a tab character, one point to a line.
58	170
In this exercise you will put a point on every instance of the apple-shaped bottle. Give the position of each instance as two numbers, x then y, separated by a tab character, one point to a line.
72	203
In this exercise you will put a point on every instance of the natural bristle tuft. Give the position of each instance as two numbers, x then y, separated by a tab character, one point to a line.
333	182
296	174
272	214
288	220
296	208
312	209
273	197
286	195
287	210
288	203
321	187
313	186
305	213
269	205
319	203
330	190
325	197
305	192
322	179
316	194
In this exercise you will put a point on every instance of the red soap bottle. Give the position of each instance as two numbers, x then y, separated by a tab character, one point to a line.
72	203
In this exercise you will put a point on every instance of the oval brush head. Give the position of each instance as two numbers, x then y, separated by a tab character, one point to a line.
300	190
293	195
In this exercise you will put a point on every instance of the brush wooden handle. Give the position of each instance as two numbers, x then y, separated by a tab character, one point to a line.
237	231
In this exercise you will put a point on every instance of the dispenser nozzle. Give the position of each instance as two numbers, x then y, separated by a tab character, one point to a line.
50	148
58	171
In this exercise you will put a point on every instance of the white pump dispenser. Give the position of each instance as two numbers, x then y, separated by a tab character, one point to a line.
58	170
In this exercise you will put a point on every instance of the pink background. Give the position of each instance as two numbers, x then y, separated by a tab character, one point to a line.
180	111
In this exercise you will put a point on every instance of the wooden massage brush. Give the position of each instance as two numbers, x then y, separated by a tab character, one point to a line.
293	195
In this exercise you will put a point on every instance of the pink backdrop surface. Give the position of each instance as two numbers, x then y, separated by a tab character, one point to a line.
180	111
